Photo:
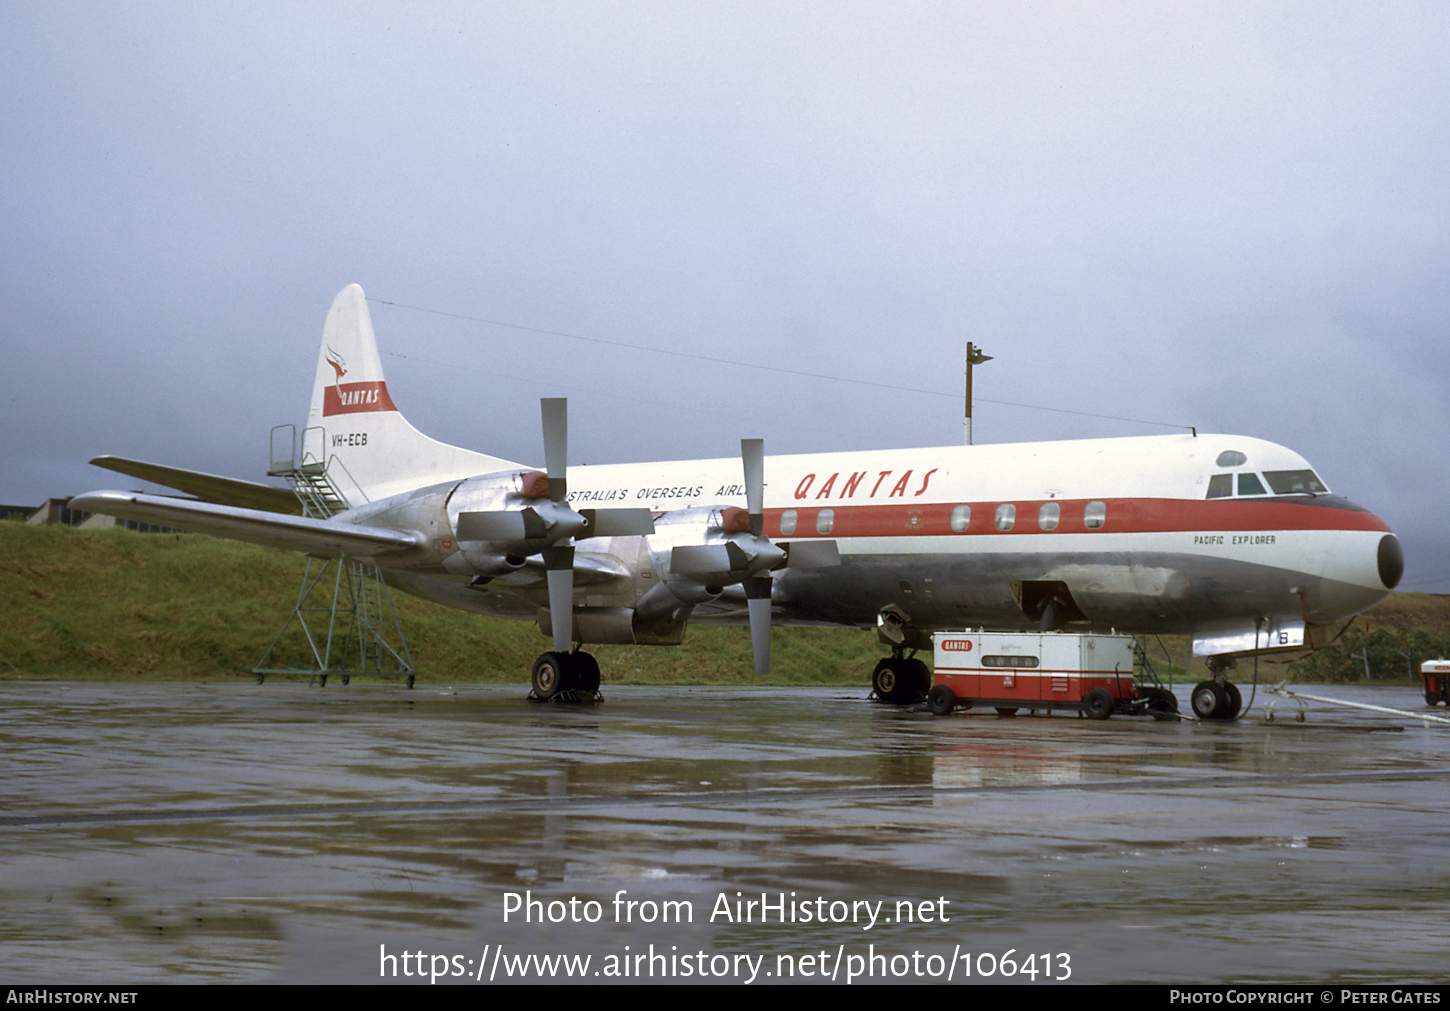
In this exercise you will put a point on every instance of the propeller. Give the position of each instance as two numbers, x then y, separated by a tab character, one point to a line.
747	556
549	525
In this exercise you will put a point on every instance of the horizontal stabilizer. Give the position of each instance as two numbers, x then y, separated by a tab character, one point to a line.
207	487
273	530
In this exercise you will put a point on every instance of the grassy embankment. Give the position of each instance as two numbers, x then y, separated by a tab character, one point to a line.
108	604
113	604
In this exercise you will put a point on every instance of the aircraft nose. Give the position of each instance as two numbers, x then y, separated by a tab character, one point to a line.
1391	561
1360	570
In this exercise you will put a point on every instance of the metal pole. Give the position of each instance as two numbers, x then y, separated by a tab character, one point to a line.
967	422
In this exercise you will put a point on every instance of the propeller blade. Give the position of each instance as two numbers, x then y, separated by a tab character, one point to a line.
559	566
752	455
688	558
757	600
555	411
616	522
811	554
491	526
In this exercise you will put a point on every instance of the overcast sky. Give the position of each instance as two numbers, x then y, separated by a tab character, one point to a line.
1234	216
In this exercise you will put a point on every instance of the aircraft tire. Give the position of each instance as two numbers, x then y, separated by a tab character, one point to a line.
940	700
886	680
551	674
584	672
1209	700
1235	700
1006	711
1098	704
915	677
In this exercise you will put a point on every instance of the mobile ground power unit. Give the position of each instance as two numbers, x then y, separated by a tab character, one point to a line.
1092	674
1436	676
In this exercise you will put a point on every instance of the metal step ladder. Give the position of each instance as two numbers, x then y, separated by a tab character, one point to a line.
354	630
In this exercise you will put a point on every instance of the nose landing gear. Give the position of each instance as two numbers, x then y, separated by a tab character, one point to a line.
1217	698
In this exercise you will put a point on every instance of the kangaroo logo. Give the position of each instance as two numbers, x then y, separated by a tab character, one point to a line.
338	363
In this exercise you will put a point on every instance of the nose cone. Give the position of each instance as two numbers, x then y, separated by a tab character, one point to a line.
1391	561
1361	566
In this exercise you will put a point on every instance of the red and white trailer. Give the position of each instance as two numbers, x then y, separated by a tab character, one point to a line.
1436	676
1092	674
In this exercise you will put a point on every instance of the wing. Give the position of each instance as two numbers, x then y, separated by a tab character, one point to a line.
207	487
274	530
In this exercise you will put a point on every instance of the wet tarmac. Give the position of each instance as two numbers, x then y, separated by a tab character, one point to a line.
283	833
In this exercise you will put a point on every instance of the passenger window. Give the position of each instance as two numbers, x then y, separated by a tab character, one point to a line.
787	521
1221	486
1249	484
825	520
961	519
1295	482
1094	515
1047	515
1006	516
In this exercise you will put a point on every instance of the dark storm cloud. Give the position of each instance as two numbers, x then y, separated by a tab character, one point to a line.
1226	216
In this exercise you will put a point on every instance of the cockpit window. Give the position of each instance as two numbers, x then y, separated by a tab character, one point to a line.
1221	486
1295	482
1231	458
1249	484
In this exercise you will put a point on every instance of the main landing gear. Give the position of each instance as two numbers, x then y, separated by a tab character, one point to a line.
565	677
900	679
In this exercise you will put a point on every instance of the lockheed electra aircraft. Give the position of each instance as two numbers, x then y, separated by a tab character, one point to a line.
1234	541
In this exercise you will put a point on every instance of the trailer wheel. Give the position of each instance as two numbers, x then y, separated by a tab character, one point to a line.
1004	712
1162	705
1098	704
940	700
1431	698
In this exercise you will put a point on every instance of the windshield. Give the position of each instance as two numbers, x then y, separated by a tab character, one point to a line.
1295	482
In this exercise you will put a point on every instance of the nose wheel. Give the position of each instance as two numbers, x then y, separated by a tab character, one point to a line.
1216	700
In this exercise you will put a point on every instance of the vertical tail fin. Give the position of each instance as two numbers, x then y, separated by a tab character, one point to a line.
356	428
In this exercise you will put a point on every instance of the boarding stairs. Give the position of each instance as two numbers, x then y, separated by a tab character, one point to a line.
354	630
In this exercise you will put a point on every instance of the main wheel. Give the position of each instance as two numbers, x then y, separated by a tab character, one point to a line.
1235	700
940	700
1098	704
585	672
914	677
550	675
1209	700
892	680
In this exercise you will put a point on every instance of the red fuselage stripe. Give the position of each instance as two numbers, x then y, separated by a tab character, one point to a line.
1123	516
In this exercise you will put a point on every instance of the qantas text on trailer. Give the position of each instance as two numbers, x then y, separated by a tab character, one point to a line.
1233	540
